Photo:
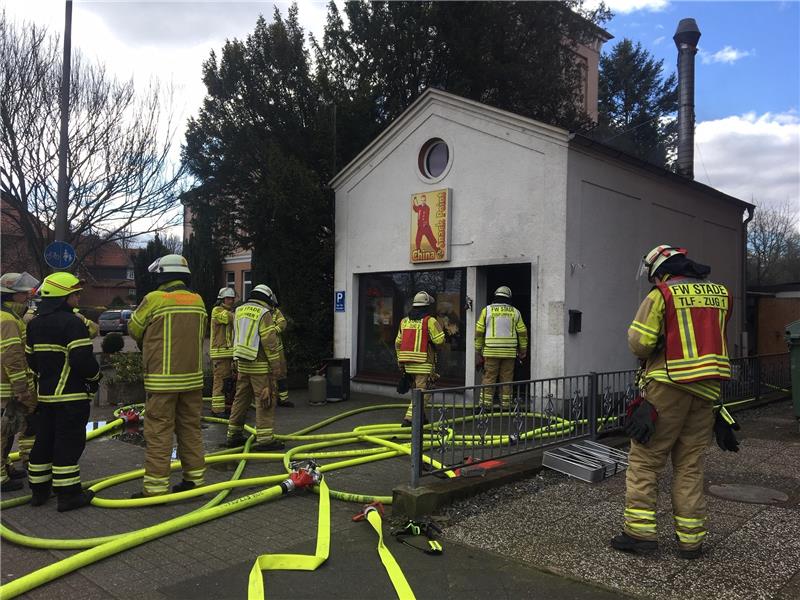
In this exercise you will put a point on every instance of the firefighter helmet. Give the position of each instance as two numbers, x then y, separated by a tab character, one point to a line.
422	299
226	292
503	291
59	285
658	256
266	291
171	263
13	283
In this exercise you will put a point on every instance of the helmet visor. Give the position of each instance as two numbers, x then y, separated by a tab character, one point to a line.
153	268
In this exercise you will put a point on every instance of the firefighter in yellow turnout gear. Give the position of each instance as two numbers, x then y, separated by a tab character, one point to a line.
678	334
260	360
17	391
279	320
500	337
415	345
169	326
221	349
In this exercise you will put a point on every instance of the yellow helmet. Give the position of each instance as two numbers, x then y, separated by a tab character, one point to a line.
657	256
171	263
503	291
13	283
422	299
59	285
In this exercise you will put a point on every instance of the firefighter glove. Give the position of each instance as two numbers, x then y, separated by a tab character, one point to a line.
642	418
724	426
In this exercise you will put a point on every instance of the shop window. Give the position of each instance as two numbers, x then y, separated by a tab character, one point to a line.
385	298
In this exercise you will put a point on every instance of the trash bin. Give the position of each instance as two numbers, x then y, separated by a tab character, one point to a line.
337	376
793	339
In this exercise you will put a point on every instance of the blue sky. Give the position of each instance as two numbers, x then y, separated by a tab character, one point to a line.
747	140
749	52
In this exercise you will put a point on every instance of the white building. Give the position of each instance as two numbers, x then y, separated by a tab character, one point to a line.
562	220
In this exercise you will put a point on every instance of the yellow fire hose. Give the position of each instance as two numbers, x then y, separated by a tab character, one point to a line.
97	548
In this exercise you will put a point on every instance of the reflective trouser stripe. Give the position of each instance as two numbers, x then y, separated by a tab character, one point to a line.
4	473
217	403
421	381
264	435
690	530
196	476
25	446
66	476
40	473
235	430
640	522
155	486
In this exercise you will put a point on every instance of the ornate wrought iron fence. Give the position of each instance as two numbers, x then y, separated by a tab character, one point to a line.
457	429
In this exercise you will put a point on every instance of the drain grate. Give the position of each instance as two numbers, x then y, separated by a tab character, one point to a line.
587	461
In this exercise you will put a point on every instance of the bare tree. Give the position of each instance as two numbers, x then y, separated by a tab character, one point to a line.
773	246
120	180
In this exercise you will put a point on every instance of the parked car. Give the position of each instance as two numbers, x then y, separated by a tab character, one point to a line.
114	320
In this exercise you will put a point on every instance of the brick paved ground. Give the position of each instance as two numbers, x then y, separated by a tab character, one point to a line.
212	560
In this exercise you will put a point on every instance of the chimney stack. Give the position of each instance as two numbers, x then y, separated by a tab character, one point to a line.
686	38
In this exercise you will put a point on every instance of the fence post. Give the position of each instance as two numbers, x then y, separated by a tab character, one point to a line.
757	377
593	404
416	435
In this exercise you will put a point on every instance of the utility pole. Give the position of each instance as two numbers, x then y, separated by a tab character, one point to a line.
62	200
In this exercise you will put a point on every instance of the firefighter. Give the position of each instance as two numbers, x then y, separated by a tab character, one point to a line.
415	345
678	334
500	339
221	350
17	391
60	354
280	323
91	327
169	326
261	363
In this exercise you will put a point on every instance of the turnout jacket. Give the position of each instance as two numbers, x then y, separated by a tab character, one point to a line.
679	331
221	333
258	348
169	326
60	353
499	331
415	343
14	380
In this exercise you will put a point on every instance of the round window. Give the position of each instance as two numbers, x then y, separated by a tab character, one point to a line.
433	158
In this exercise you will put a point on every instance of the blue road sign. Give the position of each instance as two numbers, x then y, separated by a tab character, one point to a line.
338	301
59	255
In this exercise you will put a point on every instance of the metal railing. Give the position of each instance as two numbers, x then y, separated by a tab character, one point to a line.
456	429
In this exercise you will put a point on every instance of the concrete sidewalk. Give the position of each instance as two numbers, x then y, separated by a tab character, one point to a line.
213	560
564	525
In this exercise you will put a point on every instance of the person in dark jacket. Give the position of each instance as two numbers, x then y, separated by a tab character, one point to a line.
60	353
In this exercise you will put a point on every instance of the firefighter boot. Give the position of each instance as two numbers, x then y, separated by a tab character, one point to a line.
183	486
40	494
75	500
626	543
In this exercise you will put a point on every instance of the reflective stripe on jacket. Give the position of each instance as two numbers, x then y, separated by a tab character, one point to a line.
414	344
258	347
60	353
646	340
13	366
169	325
500	331
221	333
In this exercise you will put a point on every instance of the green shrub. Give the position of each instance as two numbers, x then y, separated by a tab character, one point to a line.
127	368
112	343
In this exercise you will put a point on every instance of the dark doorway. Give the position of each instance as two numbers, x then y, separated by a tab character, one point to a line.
518	278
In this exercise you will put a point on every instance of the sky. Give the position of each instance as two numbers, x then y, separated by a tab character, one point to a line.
747	69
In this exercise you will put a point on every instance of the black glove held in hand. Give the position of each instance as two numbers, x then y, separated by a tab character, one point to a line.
724	434
641	420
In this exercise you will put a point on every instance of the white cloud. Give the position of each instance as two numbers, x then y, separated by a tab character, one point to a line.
751	157
628	6
658	40
727	55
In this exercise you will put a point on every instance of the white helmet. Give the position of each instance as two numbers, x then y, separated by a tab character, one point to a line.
226	292
503	291
171	263
12	283
263	289
422	299
657	256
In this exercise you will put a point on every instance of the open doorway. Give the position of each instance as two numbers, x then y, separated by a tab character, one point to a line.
518	278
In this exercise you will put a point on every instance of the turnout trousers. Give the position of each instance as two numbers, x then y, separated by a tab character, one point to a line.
60	440
497	370
260	388
168	414
25	432
223	369
683	431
